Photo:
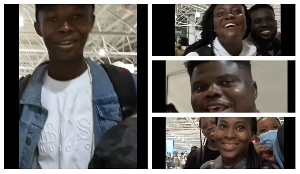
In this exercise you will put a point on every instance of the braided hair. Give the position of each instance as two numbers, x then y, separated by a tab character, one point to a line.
200	159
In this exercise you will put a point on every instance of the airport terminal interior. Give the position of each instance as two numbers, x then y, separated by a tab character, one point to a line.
113	39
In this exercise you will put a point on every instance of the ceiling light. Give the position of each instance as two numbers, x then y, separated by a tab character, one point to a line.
197	15
21	23
101	52
175	16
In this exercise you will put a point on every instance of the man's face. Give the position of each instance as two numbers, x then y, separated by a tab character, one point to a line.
264	25
222	86
65	29
229	22
208	126
232	136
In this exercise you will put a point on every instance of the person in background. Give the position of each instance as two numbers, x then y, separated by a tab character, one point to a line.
278	147
265	124
224	28
209	151
176	162
264	30
180	48
171	108
278	36
183	160
191	162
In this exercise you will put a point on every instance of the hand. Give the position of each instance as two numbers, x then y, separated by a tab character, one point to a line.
260	147
264	151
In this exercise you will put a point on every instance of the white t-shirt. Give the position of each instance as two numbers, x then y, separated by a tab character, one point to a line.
66	140
248	49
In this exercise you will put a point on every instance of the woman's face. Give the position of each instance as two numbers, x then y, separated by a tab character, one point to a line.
229	22
232	136
266	124
208	126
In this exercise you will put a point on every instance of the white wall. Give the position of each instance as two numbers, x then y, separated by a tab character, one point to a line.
271	78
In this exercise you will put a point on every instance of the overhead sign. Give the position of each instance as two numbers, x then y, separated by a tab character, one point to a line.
170	145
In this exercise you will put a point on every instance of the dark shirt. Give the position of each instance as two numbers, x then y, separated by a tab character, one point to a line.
210	154
117	148
262	52
191	162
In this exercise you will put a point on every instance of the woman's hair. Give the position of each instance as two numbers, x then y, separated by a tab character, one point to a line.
208	34
276	118
184	41
201	144
254	160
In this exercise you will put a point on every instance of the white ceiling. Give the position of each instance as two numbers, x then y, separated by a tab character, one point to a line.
186	14
115	31
186	132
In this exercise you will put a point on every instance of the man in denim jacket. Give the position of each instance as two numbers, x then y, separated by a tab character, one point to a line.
69	102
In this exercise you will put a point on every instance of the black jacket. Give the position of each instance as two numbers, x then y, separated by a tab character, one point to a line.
191	162
262	52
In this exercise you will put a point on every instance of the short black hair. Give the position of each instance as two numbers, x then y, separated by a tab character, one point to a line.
190	65
208	35
259	6
171	108
194	147
184	41
38	7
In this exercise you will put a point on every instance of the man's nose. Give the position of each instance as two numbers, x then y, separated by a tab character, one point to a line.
213	91
65	27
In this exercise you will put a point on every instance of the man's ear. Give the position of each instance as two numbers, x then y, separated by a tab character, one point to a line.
254	88
37	28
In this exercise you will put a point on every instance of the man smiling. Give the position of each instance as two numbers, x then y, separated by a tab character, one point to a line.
222	86
69	102
264	30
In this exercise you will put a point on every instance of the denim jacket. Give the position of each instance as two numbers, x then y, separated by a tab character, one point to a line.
106	111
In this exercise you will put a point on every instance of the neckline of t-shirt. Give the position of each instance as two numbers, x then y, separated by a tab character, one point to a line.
67	81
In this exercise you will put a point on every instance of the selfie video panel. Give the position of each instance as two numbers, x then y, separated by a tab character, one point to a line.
228	30
225	143
227	86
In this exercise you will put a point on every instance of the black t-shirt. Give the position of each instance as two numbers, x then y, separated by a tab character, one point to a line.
209	154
